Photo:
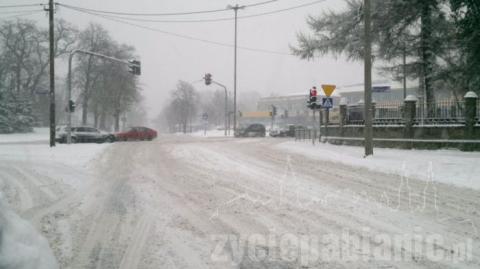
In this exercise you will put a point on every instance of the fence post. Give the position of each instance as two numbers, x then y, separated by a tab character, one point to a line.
470	116
409	117
374	107
343	112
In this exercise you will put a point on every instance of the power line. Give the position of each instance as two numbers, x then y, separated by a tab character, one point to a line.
19	11
207	20
22	14
25	5
163	14
183	36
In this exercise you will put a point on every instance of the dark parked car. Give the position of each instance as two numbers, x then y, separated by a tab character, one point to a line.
136	133
252	130
85	135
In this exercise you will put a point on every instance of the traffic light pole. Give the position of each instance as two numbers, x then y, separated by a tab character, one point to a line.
69	82
226	103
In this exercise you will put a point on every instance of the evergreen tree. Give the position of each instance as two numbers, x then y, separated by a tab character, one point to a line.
467	15
418	28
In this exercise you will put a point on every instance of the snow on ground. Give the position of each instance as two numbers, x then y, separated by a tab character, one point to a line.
446	166
210	133
21	165
38	135
21	246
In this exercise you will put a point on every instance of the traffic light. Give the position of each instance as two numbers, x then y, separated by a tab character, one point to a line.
312	102
71	106
208	79
135	67
274	111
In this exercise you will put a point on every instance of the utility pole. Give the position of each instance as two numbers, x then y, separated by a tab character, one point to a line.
368	130
404	70
235	9
51	12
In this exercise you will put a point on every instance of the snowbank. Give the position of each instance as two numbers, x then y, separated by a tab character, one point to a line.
447	166
76	155
211	133
21	246
38	135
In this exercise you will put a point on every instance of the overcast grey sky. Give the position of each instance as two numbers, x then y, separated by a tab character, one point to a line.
167	59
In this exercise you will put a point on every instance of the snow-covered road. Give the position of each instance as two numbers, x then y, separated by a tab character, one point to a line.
187	202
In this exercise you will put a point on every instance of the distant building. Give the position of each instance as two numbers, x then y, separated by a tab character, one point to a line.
391	95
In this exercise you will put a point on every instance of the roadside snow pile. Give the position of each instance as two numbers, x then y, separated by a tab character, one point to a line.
446	166
38	135
210	133
76	155
21	246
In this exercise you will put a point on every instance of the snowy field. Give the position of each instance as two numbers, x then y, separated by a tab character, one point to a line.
210	133
38	135
446	166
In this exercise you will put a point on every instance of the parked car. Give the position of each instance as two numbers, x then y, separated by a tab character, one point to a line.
84	134
252	130
290	132
136	133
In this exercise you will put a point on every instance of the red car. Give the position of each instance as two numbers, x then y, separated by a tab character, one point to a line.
136	133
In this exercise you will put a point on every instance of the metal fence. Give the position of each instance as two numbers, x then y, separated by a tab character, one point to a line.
388	113
441	112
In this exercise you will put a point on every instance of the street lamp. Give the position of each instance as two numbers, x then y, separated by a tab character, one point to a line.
235	9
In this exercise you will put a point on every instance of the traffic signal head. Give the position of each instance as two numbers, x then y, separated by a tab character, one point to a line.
71	106
312	100
135	67
274	111
208	79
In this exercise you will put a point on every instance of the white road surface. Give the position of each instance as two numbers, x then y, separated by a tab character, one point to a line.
189	202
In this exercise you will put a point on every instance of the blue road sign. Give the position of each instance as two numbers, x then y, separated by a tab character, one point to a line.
327	102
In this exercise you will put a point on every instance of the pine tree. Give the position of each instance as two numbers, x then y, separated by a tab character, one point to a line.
467	14
419	28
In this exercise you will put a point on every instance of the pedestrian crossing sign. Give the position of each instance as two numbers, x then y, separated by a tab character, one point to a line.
327	102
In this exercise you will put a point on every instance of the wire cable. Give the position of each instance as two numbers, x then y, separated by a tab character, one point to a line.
106	17
23	14
208	20
163	14
19	11
25	5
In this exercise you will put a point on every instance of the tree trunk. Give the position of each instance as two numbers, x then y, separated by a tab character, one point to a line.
103	117
95	117
116	117
84	111
427	56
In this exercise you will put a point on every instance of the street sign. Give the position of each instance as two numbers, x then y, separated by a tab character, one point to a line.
327	102
328	89
205	116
